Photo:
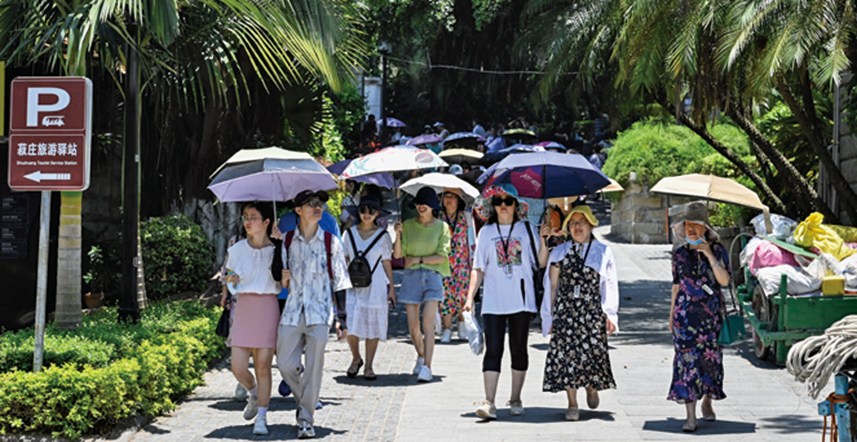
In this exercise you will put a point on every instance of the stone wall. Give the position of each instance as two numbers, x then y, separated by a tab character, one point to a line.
639	217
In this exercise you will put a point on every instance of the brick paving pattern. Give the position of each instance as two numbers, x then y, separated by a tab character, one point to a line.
763	402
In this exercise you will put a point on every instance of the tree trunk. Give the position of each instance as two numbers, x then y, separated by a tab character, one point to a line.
770	196
68	309
808	122
781	163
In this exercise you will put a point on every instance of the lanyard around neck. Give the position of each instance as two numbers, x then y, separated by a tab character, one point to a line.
505	243
586	255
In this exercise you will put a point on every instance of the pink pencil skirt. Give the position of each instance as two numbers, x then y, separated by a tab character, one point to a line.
256	320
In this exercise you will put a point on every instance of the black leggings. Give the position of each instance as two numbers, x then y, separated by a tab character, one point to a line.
495	335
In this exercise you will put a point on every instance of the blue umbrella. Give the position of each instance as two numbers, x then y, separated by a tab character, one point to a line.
382	179
547	175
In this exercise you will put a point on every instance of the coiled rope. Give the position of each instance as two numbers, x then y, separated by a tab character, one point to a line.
818	358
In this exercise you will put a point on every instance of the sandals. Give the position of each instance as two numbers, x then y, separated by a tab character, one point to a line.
352	371
369	375
688	427
572	414
708	416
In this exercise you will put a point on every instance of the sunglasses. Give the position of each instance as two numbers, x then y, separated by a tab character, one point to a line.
497	201
578	223
317	203
367	210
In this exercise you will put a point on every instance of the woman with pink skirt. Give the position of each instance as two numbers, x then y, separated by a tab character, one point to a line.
255	320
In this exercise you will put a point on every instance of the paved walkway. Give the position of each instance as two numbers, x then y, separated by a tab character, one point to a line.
763	402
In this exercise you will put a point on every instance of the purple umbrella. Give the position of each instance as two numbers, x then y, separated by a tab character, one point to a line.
395	122
381	179
270	174
551	145
424	139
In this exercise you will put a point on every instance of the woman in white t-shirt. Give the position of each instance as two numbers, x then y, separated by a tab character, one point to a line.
367	306
504	260
256	313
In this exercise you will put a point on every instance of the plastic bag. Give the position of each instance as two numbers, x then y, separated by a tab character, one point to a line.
848	234
811	233
474	334
799	282
782	227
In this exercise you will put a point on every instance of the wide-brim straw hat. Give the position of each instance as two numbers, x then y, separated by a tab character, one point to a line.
696	213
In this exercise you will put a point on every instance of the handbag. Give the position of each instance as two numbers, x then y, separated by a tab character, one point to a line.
538	271
732	326
222	328
731	330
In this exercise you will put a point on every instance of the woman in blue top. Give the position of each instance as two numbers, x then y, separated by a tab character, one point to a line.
700	266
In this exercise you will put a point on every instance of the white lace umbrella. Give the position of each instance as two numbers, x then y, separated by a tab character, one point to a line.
440	181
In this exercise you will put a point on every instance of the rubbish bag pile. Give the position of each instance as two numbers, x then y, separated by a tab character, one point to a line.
829	267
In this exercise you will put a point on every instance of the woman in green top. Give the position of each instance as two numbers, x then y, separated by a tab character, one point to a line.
424	243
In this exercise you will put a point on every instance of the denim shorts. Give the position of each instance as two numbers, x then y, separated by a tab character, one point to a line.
421	285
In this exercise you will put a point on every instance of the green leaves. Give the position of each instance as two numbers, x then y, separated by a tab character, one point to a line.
177	255
149	366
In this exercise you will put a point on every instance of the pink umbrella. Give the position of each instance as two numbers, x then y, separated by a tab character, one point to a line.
424	139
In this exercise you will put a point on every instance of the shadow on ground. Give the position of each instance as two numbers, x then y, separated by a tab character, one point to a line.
671	425
792	424
541	415
275	432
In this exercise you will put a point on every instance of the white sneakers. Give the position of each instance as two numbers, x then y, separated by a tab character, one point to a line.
447	336
305	430
462	331
260	427
425	374
252	407
487	410
516	408
419	365
240	393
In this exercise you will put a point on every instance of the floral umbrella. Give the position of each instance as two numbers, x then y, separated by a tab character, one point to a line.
393	159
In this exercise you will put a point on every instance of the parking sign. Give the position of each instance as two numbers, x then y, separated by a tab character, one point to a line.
49	133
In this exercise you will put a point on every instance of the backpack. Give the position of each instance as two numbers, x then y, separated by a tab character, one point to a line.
359	269
277	264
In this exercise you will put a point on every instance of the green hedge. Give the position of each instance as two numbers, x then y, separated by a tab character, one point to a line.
655	150
105	372
177	255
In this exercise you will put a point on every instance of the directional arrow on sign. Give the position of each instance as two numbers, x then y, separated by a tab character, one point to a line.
38	176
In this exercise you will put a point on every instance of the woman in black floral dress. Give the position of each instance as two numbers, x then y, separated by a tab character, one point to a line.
585	301
700	268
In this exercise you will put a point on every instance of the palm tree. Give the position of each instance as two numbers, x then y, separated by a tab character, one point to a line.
192	52
799	48
666	50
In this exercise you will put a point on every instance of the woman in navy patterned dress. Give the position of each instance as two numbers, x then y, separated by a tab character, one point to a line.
700	266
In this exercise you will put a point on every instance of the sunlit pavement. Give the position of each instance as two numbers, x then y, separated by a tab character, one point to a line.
763	402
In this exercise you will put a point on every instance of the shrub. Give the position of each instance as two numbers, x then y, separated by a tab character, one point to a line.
177	255
657	150
142	368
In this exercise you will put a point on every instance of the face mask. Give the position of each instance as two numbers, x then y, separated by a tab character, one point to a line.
697	242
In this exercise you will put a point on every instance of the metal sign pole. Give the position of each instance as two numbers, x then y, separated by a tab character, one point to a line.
42	284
